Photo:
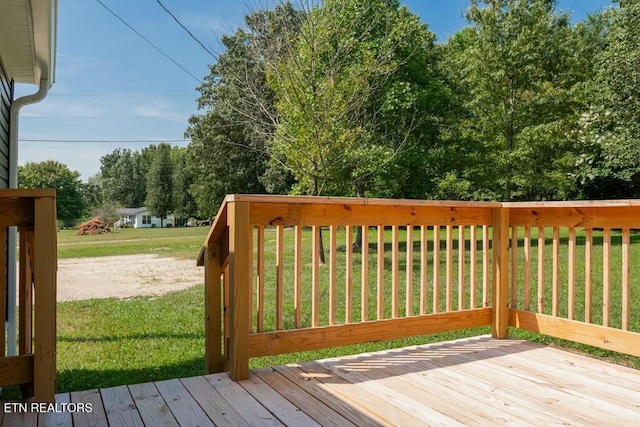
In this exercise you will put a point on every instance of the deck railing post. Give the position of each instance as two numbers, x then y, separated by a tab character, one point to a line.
240	282
44	279
212	308
500	319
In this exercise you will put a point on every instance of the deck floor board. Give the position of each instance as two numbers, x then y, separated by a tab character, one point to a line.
474	381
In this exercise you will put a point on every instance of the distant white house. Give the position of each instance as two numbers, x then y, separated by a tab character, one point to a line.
141	218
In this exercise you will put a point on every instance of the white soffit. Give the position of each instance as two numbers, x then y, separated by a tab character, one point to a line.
28	39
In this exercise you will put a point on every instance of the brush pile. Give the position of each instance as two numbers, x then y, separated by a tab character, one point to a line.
93	226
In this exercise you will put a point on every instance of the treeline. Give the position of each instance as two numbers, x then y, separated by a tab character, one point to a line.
355	97
155	177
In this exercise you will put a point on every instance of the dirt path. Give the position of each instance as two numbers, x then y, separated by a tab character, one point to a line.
124	276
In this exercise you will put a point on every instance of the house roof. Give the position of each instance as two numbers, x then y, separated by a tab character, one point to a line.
28	39
131	211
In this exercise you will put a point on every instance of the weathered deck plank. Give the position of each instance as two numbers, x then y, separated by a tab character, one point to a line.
475	381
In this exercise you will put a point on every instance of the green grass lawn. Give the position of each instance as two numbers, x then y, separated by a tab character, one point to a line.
182	243
104	343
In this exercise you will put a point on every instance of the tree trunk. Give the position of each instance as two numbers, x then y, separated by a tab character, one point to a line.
320	243
360	192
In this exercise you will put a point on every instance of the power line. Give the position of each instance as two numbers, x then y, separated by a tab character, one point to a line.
187	30
115	95
147	40
150	141
105	118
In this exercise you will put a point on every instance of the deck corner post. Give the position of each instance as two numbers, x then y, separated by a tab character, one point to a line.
500	317
45	265
240	286
213	309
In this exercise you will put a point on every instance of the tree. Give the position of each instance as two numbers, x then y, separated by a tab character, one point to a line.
52	174
229	150
351	93
521	68
160	183
124	176
92	193
184	205
609	166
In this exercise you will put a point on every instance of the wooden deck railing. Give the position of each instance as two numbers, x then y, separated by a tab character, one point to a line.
34	213
581	287
424	267
276	302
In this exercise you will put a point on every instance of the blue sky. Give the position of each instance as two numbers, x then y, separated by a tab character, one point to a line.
112	86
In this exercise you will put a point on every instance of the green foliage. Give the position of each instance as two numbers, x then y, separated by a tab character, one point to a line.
230	150
123	175
519	63
183	203
160	183
351	94
609	136
69	190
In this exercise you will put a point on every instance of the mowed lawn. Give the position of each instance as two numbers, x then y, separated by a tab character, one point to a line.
182	243
109	342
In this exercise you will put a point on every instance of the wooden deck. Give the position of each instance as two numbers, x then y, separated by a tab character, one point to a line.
476	381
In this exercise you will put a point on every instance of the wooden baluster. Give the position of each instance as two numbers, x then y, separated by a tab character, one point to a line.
449	264
3	283
297	281
485	266
380	290
213	308
409	273
260	281
606	276
472	266
423	269
541	270
571	312
527	268
514	267
25	292
364	315
461	262
588	275
626	282
436	269
555	283
332	275
395	261
279	271
348	292
315	277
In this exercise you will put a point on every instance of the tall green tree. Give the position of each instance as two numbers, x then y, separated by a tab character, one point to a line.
356	91
230	150
520	66
124	176
160	183
183	203
52	174
610	133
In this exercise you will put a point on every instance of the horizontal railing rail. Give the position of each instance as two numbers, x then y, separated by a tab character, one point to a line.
34	368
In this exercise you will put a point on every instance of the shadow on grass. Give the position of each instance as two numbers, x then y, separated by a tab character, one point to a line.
188	335
87	379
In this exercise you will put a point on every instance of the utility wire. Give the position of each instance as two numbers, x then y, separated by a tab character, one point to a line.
116	95
106	140
187	30
106	118
147	40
